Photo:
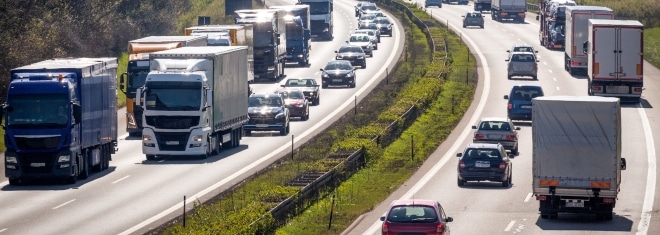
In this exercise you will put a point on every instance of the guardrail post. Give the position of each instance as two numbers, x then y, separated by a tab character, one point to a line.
184	211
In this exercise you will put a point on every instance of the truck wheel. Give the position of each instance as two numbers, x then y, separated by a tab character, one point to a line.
248	132
14	182
134	134
283	130
76	172
105	157
97	167
151	157
84	174
324	86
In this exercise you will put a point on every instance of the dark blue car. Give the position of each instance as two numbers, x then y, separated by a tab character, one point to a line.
520	98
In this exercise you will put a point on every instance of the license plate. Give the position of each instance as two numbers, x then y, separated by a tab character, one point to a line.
262	125
575	204
482	164
336	80
37	164
172	142
495	136
617	89
526	106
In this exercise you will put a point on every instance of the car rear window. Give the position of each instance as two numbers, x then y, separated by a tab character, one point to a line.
494	125
522	58
412	214
525	93
474	153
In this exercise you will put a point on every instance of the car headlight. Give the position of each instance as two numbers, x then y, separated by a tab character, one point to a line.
280	115
300	105
360	57
325	75
348	75
64	158
11	160
338	57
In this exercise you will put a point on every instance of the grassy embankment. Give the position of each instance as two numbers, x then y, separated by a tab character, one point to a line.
415	81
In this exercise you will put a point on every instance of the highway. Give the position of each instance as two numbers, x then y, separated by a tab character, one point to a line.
135	195
487	208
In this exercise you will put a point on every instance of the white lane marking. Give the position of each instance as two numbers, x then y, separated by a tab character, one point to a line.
313	129
123	178
544	63
529	196
508	227
557	88
2	230
454	148
649	195
64	204
550	70
554	78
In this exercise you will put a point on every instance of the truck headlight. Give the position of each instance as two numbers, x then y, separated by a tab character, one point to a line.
11	160
197	138
64	158
146	138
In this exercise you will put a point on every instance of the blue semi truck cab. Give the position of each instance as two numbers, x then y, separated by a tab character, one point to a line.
298	33
60	119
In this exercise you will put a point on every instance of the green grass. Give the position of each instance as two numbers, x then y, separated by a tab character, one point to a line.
652	46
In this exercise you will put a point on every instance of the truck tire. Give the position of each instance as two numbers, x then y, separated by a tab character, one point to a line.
14	182
84	174
248	132
97	167
76	172
105	157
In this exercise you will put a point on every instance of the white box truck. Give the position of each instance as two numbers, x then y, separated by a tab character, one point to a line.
194	101
615	51
576	160
577	31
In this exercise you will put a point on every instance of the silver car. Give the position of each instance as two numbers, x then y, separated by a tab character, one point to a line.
497	130
522	64
372	35
364	41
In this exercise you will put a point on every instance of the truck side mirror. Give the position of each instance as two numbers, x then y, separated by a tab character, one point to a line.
277	39
209	98
138	97
585	47
77	113
308	34
122	80
623	163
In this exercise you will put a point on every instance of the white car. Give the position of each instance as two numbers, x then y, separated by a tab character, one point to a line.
372	36
363	41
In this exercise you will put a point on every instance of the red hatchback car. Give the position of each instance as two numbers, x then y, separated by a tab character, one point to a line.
415	216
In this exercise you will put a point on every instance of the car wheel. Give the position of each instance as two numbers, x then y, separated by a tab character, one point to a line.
515	151
482	26
463	25
507	182
306	117
14	182
508	77
151	157
460	182
535	78
364	65
544	216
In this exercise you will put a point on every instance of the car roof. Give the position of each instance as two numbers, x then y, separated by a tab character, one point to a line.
421	202
349	45
265	94
498	119
526	85
522	52
482	146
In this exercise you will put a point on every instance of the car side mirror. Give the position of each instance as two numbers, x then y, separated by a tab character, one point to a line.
506	97
474	127
507	60
459	154
283	85
508	51
449	219
517	128
382	218
623	163
336	52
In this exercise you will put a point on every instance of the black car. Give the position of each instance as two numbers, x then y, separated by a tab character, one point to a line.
353	54
267	112
338	72
309	87
484	162
473	19
384	25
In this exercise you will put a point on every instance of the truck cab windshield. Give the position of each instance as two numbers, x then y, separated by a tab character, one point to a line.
47	110
317	8
173	96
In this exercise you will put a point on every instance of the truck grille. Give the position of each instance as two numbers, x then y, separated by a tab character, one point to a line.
168	141
37	143
173	122
27	160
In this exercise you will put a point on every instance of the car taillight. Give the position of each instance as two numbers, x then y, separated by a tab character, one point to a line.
575	63
608	200
385	230
510	106
478	136
440	229
461	164
502	165
597	88
540	197
510	137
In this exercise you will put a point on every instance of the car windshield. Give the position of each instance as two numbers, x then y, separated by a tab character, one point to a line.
481	153
369	7
337	66
382	21
523	49
526	93
370	33
412	214
368	17
292	95
494	126
359	38
354	49
369	26
257	101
